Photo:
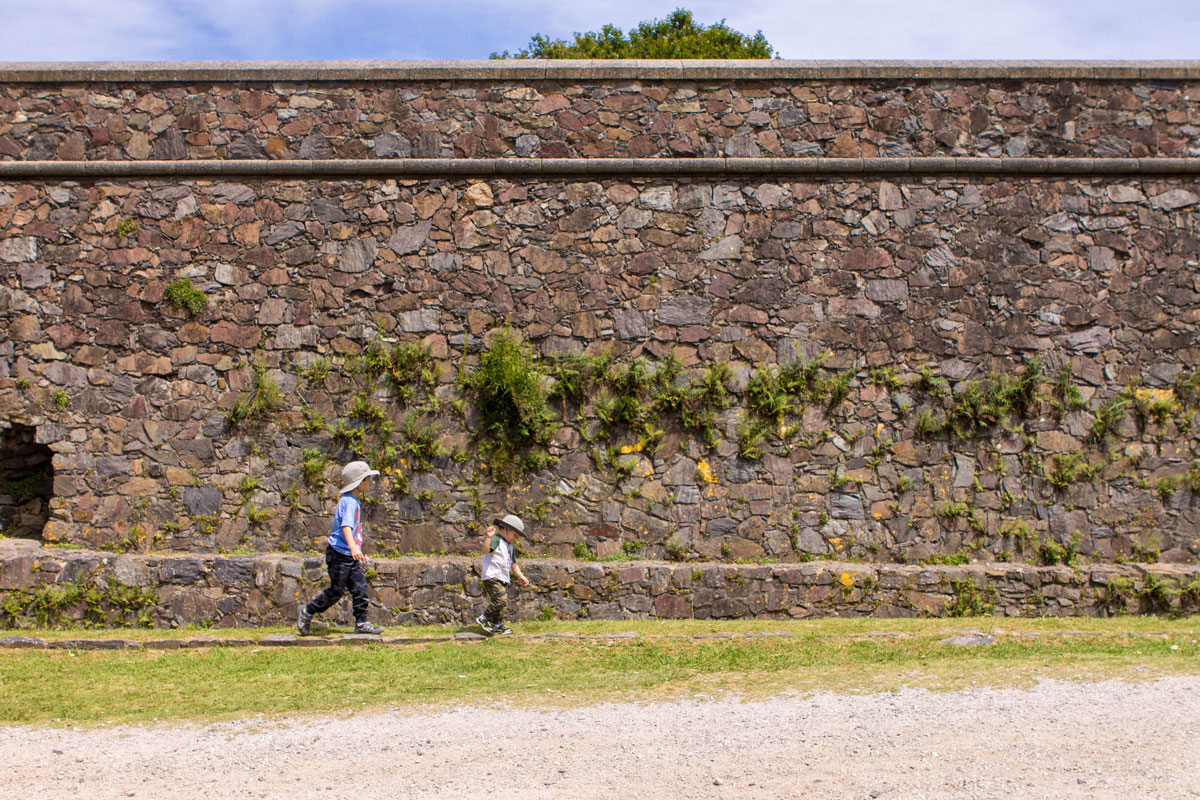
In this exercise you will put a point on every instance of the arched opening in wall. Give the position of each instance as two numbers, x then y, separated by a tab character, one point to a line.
26	482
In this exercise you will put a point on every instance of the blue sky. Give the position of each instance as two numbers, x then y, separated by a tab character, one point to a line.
161	30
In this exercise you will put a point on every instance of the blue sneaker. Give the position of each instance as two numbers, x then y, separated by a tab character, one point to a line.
482	621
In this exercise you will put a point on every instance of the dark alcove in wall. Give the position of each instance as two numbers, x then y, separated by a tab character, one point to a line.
26	482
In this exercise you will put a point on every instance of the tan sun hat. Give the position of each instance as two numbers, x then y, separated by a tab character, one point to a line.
354	473
511	521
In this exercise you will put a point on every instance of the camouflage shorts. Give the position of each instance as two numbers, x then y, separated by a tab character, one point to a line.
496	592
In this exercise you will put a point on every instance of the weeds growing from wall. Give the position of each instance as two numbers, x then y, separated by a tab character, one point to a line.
90	600
182	295
1068	469
397	417
978	407
1051	552
262	399
406	368
1108	418
776	397
516	422
968	601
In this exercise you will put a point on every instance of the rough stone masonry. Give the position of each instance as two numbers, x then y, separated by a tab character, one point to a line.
722	216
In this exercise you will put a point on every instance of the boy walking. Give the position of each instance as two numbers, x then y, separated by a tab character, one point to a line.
344	556
498	561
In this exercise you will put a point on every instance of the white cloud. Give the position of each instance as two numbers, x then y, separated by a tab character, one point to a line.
83	30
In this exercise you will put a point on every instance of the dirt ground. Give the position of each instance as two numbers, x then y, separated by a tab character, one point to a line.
1059	739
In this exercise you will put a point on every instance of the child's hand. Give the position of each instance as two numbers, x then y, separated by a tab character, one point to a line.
524	581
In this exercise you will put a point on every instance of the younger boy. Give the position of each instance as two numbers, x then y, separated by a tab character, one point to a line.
344	556
497	562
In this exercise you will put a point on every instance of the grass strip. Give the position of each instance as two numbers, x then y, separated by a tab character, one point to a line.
98	687
829	626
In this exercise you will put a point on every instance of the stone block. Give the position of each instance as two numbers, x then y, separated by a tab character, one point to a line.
234	571
846	506
182	571
725	248
201	500
629	324
423	321
685	310
18	249
672	606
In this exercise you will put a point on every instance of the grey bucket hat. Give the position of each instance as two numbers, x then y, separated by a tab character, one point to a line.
354	473
512	521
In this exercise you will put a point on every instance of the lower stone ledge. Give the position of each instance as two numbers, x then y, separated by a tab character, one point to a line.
40	587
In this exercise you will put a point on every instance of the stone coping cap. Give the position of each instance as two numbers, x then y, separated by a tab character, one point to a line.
571	70
517	168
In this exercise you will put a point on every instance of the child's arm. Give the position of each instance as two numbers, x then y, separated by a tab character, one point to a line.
355	551
488	533
516	570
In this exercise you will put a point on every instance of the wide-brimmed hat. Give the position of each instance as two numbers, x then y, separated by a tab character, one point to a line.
512	521
354	473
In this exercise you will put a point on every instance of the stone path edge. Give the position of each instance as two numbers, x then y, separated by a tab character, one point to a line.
592	167
466	637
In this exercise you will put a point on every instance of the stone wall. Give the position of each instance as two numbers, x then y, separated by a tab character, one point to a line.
964	276
238	591
472	111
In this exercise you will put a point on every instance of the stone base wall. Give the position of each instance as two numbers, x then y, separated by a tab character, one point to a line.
38	585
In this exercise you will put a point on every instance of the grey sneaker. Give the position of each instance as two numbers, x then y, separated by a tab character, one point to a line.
501	628
303	618
368	628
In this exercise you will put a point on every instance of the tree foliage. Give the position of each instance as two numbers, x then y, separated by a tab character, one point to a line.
677	36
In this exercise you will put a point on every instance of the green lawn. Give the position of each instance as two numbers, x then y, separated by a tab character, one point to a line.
841	655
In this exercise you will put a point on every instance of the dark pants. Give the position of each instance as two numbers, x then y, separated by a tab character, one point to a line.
496	591
344	574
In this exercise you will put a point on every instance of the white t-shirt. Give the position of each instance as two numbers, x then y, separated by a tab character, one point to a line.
499	560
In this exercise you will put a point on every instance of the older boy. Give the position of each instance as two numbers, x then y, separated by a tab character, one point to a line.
344	556
498	561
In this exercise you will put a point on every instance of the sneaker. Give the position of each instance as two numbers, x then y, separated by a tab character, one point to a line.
368	628
482	621
501	628
303	618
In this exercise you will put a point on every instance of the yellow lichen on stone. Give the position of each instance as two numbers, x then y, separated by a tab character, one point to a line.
54	531
1146	396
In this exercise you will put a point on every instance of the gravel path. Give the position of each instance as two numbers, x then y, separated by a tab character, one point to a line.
1061	740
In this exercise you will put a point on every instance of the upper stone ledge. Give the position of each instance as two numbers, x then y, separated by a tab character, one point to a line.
310	71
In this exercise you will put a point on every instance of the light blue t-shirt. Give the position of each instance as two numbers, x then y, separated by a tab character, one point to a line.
348	515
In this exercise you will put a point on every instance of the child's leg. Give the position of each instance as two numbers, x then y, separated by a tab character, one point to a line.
497	594
357	584
339	568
